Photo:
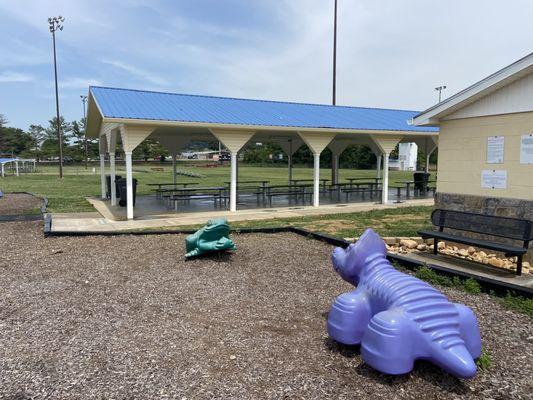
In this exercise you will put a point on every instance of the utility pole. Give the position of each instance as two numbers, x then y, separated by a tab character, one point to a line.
56	23
440	89
84	100
334	100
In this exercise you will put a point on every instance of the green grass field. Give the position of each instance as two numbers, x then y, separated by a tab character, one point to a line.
404	221
68	194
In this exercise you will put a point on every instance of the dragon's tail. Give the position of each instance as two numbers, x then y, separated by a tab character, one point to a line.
457	360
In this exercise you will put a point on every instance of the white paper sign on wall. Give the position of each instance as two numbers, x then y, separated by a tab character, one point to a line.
495	149
494	179
526	149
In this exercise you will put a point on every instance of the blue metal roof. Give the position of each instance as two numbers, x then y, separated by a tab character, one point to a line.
7	160
158	106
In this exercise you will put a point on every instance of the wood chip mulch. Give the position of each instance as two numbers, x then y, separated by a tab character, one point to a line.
125	317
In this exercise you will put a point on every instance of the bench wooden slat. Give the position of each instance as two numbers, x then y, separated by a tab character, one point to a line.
504	248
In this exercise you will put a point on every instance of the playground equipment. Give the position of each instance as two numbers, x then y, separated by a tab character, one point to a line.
397	318
212	237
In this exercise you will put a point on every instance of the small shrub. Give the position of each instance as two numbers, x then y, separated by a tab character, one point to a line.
484	361
471	286
430	276
518	303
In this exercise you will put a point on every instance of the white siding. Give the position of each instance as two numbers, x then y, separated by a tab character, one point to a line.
513	98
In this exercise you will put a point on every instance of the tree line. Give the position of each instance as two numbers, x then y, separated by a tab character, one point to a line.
41	142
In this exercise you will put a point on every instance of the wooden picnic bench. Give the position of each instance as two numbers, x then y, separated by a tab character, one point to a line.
493	227
370	187
217	193
290	191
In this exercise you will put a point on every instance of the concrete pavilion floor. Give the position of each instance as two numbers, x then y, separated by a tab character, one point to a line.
150	214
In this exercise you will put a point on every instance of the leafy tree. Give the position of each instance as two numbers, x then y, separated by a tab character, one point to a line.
150	148
50	146
38	134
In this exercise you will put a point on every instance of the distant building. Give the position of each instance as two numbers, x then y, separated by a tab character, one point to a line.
407	155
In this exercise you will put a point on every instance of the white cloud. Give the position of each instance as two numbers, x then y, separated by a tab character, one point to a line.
12	77
79	83
137	72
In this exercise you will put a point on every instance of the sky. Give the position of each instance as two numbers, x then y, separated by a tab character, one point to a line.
391	53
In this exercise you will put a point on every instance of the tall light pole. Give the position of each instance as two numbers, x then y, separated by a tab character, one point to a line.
334	100
440	89
84	101
56	23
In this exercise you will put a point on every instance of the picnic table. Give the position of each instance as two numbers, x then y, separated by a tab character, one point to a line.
196	193
371	186
263	183
351	180
160	185
285	190
296	181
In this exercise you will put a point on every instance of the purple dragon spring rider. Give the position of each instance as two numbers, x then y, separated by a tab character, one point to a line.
397	318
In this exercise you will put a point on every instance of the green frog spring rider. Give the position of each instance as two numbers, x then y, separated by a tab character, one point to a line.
212	237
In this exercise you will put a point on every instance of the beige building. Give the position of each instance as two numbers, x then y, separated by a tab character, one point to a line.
486	144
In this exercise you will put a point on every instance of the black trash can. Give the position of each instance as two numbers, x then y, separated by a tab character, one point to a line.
421	181
122	192
108	185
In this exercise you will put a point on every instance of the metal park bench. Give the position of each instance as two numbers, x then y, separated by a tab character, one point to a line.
491	228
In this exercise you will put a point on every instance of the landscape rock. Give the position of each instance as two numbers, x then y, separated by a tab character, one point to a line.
441	245
471	250
495	262
408	243
421	247
463	252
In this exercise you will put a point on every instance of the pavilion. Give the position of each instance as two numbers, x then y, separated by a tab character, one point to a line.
176	119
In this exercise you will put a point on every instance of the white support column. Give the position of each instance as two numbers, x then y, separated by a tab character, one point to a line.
378	165
112	180
430	145
129	185
290	147
316	180
234	140
385	144
233	183
102	144
385	184
174	170
334	168
102	175
289	160
317	142
173	141
111	136
336	147
132	136
17	168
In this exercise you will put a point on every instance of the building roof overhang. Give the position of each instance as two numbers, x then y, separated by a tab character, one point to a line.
486	86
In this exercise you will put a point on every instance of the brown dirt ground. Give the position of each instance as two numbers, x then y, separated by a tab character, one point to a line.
126	317
18	203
